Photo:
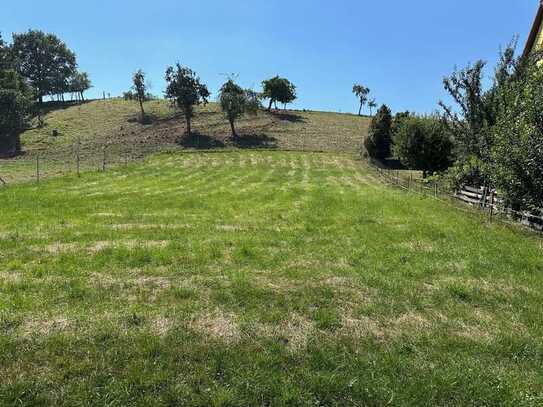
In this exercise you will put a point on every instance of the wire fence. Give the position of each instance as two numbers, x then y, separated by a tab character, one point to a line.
81	156
484	199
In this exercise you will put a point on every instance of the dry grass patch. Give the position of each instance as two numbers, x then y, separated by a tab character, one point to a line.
217	325
45	326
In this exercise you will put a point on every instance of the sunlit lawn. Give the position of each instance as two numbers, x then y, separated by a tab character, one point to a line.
261	278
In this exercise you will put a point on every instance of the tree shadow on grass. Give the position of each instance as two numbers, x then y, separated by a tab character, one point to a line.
288	117
254	141
200	141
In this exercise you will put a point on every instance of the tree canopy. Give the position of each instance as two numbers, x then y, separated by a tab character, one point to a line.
44	61
15	104
140	90
421	144
379	139
236	101
79	83
185	90
361	92
280	90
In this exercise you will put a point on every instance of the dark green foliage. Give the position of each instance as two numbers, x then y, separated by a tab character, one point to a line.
44	61
236	101
140	90
517	154
4	54
79	83
361	92
470	124
280	90
420	143
15	103
379	140
185	90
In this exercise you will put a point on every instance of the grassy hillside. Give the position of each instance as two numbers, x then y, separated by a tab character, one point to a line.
110	130
261	278
114	121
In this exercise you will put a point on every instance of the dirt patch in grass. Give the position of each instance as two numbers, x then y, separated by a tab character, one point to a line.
217	325
418	246
161	325
45	326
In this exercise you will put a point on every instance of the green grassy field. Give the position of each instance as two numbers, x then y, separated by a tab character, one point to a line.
261	278
112	126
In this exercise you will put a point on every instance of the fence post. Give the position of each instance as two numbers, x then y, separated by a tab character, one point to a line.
491	212
78	159
104	158
435	189
38	168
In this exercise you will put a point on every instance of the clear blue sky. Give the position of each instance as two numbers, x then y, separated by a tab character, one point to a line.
400	49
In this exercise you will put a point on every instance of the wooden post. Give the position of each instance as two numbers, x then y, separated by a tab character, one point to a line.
409	180
103	158
435	189
38	168
78	159
491	212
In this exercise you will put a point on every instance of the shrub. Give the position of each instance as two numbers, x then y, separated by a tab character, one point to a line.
15	105
517	153
422	144
379	140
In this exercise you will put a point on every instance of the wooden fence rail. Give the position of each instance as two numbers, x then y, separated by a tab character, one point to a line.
485	199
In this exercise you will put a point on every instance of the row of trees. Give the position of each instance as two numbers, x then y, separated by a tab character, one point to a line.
33	66
492	137
185	89
47	64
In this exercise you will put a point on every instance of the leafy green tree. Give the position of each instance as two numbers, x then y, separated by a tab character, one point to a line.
15	105
79	83
140	90
280	90
43	60
236	101
517	153
185	90
379	140
420	143
470	123
372	104
361	92
4	54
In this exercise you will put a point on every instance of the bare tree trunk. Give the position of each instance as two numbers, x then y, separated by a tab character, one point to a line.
82	97
360	110
187	118
234	134
142	111
270	106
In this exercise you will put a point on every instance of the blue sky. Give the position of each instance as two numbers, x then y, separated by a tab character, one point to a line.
400	49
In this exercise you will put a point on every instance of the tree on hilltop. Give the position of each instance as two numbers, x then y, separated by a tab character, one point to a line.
280	90
185	90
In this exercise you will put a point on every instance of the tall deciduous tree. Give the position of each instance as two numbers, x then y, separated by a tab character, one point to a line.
4	54
185	90
43	60
236	101
15	105
140	89
280	90
361	92
79	83
517	153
